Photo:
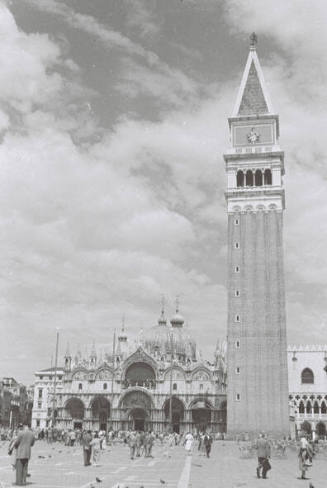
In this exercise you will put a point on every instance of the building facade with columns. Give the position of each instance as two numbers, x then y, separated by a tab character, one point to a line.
159	382
307	370
256	325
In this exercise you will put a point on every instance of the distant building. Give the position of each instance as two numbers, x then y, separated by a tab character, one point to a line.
307	372
43	395
136	386
15	404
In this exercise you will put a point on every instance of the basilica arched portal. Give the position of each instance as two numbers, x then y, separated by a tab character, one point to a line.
100	408
137	405
177	416
201	414
75	410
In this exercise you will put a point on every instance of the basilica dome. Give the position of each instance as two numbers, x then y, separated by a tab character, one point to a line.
163	339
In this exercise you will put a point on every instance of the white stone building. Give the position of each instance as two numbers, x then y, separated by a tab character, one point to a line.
43	394
307	376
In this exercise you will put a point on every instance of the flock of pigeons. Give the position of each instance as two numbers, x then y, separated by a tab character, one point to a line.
118	485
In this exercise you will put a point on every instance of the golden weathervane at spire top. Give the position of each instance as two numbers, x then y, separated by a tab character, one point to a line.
253	40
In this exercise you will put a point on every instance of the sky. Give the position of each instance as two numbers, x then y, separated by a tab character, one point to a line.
113	125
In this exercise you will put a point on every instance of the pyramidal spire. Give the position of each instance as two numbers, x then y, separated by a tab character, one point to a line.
67	354
252	98
93	351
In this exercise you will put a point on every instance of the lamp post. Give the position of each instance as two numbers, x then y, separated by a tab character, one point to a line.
55	381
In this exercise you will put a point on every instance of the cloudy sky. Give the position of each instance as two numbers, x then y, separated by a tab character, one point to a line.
112	129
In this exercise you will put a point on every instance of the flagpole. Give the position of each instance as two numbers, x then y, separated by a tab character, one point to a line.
113	370
55	381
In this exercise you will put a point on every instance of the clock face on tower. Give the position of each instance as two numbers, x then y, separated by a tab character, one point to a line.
245	134
253	136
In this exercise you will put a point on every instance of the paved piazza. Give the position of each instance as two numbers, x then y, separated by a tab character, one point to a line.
62	467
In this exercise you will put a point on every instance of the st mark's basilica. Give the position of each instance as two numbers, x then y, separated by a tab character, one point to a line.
158	382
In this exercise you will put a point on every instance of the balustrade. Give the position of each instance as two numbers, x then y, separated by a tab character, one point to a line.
148	384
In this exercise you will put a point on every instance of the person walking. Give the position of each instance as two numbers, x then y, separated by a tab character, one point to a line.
24	442
87	448
263	450
139	443
12	451
151	442
207	441
72	437
146	442
132	444
305	455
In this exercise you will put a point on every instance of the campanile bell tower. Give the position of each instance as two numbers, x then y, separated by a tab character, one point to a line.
257	356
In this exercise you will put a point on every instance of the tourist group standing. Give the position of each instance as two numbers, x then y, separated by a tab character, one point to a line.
141	443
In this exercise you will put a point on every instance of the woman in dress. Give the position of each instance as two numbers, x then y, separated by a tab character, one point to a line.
188	443
95	443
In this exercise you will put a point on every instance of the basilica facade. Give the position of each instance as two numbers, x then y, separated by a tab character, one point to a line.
159	382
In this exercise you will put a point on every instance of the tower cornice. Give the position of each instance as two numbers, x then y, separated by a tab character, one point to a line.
249	193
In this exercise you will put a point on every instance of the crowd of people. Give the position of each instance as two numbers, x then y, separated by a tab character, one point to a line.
92	443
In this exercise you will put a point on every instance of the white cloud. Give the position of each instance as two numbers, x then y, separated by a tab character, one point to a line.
26	63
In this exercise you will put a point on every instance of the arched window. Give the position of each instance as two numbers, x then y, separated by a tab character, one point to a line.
80	386
301	407
258	178
105	386
307	376
323	408
309	408
140	374
306	427
321	430
249	178
315	407
268	177
240	178
175	386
